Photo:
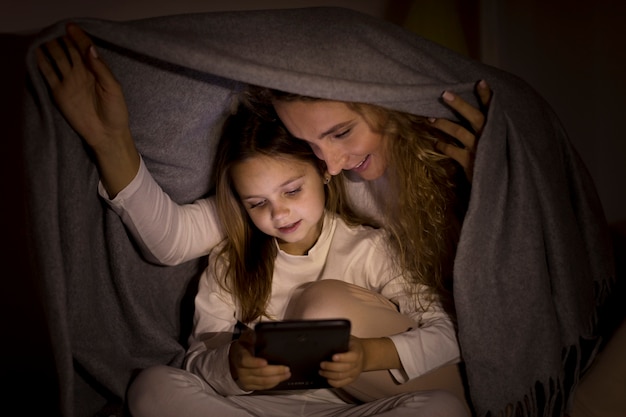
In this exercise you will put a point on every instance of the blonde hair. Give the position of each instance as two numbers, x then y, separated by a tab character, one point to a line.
249	254
424	201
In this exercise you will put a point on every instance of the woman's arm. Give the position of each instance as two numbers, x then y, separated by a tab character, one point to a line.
166	232
92	101
468	138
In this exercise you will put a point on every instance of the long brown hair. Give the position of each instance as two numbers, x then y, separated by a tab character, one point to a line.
425	198
248	253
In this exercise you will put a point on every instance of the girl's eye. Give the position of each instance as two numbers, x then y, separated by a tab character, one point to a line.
257	204
294	192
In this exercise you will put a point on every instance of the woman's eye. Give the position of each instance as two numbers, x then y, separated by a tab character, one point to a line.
342	134
294	192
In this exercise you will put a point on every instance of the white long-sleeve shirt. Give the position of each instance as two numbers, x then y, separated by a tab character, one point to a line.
356	255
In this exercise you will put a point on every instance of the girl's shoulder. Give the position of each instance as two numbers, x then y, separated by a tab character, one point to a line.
359	233
218	260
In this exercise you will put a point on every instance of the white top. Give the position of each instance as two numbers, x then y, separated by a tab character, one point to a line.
356	255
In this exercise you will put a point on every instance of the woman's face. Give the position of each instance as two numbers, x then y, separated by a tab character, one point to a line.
337	134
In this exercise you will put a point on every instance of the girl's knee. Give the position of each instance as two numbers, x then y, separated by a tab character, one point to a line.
316	300
371	314
141	391
151	390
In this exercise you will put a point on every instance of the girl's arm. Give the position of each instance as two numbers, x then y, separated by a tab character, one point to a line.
431	344
212	334
228	366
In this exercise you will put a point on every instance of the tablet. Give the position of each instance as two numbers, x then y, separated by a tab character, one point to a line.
302	345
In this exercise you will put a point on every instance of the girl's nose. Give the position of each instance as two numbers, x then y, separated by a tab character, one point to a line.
279	211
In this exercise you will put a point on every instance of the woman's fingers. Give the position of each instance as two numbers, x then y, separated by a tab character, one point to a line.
46	68
484	93
464	157
455	130
471	114
80	40
475	119
65	54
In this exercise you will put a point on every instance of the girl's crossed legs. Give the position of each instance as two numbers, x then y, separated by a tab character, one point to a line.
371	315
166	391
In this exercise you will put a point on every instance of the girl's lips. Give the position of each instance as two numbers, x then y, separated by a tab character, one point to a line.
290	228
362	166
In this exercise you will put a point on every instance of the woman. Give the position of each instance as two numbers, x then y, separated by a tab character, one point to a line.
93	103
538	237
295	249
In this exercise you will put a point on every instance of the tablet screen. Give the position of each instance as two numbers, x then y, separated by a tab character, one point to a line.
302	345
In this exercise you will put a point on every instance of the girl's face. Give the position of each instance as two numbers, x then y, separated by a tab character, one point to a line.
337	134
284	198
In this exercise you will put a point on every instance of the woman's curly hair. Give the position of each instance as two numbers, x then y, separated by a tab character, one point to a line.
424	199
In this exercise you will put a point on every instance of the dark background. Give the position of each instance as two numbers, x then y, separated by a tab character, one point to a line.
573	53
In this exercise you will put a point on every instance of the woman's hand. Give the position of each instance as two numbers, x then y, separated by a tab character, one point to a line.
345	367
92	101
252	373
83	87
476	119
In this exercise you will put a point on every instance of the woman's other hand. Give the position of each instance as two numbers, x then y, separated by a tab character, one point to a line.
468	138
92	101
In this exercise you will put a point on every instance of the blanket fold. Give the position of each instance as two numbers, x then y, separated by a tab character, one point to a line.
534	260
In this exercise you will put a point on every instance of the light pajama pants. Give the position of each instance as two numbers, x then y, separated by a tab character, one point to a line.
170	392
164	391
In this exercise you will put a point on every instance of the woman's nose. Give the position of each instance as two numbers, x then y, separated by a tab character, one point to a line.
335	160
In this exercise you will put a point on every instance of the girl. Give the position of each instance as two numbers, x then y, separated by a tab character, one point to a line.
295	249
417	193
93	103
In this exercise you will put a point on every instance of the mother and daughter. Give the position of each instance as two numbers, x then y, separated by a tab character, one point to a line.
285	241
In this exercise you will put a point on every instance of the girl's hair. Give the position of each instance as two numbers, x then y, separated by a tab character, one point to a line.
248	252
424	201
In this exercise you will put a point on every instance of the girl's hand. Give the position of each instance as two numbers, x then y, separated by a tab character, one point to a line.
252	373
345	367
92	101
469	138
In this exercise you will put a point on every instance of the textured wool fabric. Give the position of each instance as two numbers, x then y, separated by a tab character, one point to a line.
533	263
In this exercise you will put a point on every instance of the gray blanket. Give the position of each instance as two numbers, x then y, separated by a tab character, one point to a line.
534	259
